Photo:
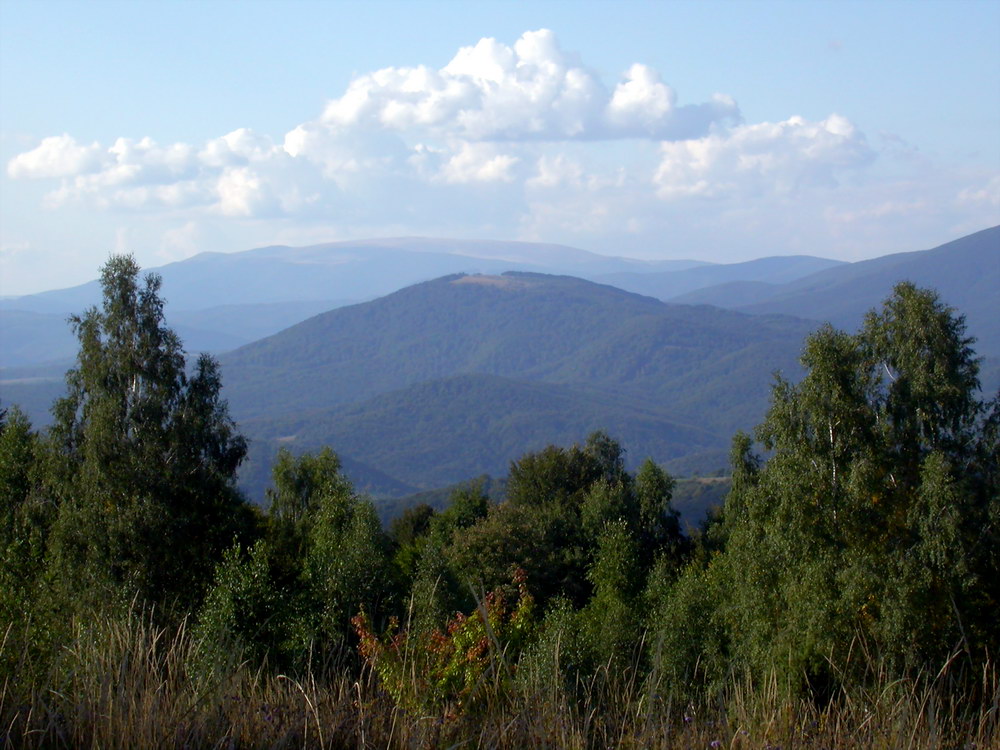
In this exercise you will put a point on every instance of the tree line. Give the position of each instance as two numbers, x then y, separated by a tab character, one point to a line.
864	514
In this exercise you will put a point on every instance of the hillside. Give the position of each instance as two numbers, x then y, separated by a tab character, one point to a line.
536	327
965	272
442	431
219	301
455	377
666	285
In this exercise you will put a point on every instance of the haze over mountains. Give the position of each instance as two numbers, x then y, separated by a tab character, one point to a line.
468	354
965	272
218	301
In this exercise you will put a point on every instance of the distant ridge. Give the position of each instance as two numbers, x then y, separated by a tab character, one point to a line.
455	377
965	272
452	377
771	270
219	301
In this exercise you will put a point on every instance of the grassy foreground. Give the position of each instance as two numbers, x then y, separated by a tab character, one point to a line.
130	685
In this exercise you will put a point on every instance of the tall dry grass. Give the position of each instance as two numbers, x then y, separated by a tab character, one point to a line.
129	684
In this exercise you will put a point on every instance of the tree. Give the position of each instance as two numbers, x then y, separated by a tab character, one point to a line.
321	559
874	514
24	518
143	454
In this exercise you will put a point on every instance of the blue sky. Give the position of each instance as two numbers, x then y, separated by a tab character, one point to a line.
722	131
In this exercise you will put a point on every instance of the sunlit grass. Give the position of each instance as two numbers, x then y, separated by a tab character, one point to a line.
129	684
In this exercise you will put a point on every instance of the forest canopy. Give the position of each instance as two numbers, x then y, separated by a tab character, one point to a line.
863	516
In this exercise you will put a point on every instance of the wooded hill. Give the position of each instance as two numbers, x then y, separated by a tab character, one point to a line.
455	377
497	364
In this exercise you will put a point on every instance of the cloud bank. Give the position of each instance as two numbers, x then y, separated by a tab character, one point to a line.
520	141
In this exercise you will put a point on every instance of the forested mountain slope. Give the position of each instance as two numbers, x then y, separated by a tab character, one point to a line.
965	272
455	377
440	431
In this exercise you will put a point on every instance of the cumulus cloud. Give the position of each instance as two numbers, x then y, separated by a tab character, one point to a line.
519	140
533	90
495	114
472	164
782	157
481	119
56	156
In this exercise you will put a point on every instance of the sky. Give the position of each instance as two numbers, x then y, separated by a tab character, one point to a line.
720	131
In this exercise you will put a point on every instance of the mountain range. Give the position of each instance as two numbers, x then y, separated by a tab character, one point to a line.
435	380
219	301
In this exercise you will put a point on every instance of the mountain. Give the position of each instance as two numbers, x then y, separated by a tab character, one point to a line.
555	329
453	377
219	301
440	431
352	270
665	285
457	376
965	272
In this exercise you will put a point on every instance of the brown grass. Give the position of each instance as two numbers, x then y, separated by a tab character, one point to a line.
132	685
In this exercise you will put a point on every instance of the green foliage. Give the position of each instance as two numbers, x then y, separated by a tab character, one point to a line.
689	638
246	614
144	457
408	535
300	483
25	522
869	517
611	620
547	542
17	458
322	558
347	566
559	503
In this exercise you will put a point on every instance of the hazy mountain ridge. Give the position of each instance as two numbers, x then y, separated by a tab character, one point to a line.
965	272
497	363
220	301
347	270
770	270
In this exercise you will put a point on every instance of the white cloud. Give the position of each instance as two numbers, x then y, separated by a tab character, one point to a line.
239	147
519	140
642	98
781	157
477	162
531	91
56	156
240	192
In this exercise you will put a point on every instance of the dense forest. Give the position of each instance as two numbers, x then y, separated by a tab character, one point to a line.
845	594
